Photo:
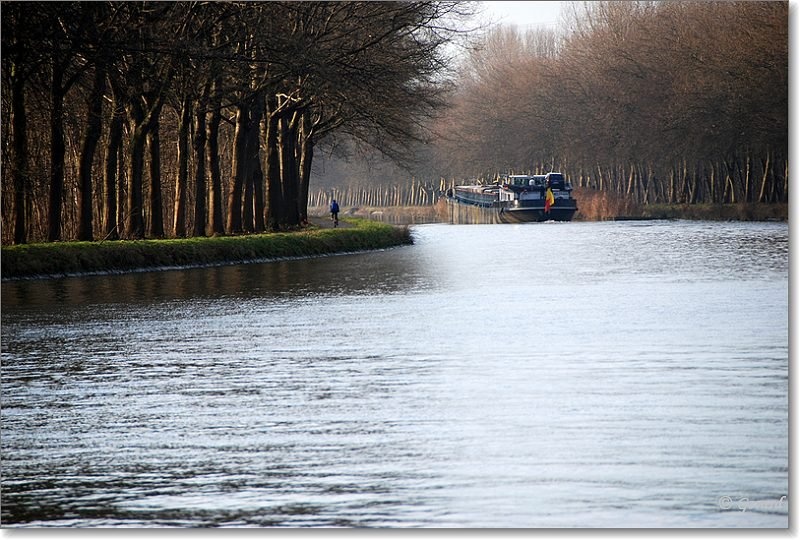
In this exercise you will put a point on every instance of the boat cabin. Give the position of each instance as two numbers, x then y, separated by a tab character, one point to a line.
524	180
555	180
551	180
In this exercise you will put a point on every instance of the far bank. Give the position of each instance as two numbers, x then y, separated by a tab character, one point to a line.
60	259
592	207
602	206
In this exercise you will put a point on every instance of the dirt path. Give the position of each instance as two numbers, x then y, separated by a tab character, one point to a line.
326	223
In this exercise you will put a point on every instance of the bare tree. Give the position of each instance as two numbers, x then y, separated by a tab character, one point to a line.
256	86
21	59
658	101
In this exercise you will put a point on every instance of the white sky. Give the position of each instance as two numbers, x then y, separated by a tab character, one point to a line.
523	14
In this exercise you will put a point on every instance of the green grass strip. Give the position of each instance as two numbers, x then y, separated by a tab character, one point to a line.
70	258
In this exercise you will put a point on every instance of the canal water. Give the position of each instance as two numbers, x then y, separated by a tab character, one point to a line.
541	375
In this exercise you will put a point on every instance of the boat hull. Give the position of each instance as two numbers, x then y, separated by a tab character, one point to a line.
465	213
528	215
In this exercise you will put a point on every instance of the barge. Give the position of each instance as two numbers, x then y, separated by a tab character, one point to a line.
514	199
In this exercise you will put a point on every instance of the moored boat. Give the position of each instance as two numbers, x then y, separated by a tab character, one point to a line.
515	199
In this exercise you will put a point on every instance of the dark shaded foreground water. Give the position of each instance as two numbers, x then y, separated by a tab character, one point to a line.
580	374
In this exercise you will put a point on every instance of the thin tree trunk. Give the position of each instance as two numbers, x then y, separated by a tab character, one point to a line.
763	191
135	216
142	121
712	183
785	180
94	105
259	200
156	197
287	141
693	186
217	224
256	172
253	174
306	151
238	170
179	209
748	195
248	223
122	187
200	169
122	193
110	230
134	223
631	178
57	153
276	206
20	163
671	196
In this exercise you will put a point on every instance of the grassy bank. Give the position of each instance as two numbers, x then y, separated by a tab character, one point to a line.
67	258
395	215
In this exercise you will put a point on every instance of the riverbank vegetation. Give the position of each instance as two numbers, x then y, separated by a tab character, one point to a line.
596	205
66	258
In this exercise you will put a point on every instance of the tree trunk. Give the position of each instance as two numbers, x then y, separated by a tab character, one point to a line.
57	153
200	169
712	182
238	170
276	208
631	178
94	106
692	184
748	195
287	142
252	169
217	225
306	151
110	229
122	191
20	163
156	198
785	180
259	201
763	191
248	223
256	173
142	122
134	223
685	184
179	209
671	196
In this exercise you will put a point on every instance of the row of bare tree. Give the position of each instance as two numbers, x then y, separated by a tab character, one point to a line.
153	119
373	194
673	102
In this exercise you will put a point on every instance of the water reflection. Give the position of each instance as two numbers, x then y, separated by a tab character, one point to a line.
544	375
336	275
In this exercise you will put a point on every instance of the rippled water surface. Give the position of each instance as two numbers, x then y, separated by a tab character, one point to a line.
541	375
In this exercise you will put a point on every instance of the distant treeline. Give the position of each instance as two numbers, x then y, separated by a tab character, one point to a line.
154	119
417	193
664	102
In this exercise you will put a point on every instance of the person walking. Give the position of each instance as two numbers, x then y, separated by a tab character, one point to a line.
335	213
